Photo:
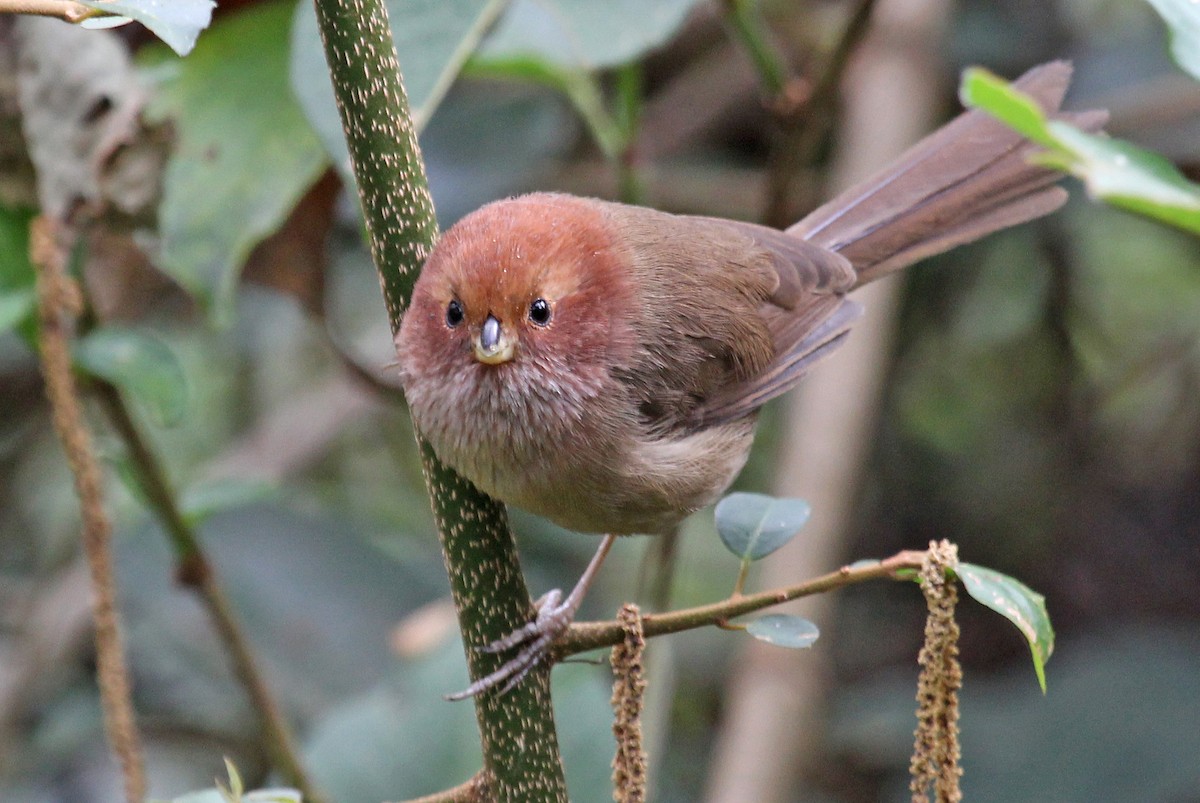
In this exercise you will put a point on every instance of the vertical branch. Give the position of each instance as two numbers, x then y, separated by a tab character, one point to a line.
59	302
519	741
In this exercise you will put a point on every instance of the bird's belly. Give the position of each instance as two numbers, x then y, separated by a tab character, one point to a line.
636	486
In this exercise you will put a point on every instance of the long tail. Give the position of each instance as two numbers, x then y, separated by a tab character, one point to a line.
969	178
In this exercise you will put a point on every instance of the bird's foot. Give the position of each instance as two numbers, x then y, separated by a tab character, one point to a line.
554	616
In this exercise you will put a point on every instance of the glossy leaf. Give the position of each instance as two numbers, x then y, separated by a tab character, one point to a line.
784	630
176	22
139	364
244	152
1017	603
433	40
753	526
1183	19
1114	171
585	33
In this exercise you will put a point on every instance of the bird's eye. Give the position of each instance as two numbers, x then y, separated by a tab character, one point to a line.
454	313
539	312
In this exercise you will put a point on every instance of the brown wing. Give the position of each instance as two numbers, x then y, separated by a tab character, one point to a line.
808	317
731	315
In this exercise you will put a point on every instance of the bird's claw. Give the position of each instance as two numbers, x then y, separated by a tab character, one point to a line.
553	618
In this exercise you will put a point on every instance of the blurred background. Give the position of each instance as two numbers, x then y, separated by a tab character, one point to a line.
1034	397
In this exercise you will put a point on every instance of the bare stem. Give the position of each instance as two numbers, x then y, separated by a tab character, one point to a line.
59	9
584	636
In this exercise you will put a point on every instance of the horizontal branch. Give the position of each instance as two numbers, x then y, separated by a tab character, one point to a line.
59	9
584	636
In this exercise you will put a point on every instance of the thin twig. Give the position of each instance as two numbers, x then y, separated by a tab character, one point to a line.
59	9
194	571
59	303
584	636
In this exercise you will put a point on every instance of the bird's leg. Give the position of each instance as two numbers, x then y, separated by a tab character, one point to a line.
554	616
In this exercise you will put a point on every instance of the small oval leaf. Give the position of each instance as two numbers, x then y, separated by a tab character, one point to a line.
753	526
784	630
1017	603
139	364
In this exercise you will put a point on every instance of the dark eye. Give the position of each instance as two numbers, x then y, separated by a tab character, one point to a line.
539	312
454	314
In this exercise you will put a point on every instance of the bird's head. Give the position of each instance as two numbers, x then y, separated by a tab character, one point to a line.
515	319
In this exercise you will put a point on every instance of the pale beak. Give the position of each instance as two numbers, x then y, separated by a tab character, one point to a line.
492	346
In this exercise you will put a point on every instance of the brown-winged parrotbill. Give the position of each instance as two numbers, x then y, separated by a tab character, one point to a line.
602	365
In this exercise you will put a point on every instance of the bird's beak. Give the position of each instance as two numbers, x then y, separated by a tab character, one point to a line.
492	346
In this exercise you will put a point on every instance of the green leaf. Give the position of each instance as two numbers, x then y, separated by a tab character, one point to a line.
1017	603
15	267
585	33
16	306
139	364
1131	178
784	630
177	22
433	40
205	499
1114	171
244	152
1183	20
753	526
981	89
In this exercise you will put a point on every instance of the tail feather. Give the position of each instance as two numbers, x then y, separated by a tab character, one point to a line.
969	178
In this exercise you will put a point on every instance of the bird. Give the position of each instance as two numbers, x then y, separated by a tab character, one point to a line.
602	365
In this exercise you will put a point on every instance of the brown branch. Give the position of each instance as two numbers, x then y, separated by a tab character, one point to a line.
60	9
584	636
59	304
